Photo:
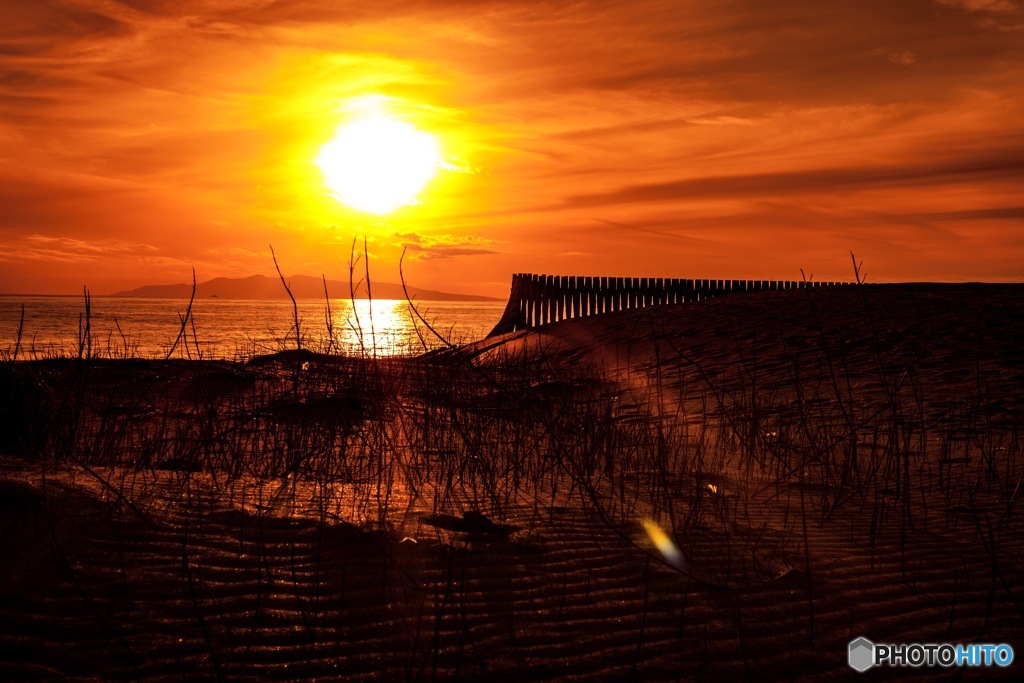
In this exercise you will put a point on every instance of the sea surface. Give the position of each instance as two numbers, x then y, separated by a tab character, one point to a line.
231	328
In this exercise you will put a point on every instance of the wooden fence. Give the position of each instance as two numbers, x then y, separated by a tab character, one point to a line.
541	299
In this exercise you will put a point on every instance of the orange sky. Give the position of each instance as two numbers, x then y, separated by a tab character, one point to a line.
142	138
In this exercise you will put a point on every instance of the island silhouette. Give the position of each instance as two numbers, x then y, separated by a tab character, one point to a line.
302	287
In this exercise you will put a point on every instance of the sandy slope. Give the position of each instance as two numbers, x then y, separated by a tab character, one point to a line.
792	546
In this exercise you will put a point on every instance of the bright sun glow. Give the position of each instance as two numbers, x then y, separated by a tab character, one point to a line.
377	164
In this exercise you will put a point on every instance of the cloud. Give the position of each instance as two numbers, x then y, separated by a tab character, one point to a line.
905	58
49	248
51	27
103	246
998	6
428	247
1011	213
1006	165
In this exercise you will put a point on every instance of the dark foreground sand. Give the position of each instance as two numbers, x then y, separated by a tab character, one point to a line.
828	467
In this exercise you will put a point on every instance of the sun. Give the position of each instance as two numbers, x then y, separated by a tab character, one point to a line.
378	163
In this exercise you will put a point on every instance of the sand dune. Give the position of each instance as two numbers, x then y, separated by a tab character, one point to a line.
828	466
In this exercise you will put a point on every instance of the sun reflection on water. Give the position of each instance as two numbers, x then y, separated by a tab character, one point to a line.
381	327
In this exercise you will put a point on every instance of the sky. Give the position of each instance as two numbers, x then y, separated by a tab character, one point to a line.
140	139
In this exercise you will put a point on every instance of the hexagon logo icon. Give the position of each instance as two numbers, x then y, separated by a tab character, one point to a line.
862	654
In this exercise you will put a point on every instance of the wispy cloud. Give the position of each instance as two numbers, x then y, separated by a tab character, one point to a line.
998	6
1006	165
89	247
427	247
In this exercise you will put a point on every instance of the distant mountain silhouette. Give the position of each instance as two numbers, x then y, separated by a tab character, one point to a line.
302	286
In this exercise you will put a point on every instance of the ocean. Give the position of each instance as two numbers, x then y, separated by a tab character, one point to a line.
227	329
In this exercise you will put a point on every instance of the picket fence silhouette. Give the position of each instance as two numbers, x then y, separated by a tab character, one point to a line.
540	299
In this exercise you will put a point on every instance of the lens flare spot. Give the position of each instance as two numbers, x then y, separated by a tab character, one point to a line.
669	550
